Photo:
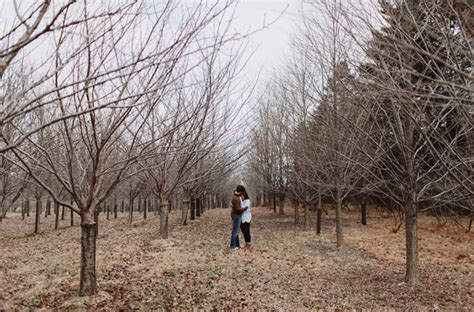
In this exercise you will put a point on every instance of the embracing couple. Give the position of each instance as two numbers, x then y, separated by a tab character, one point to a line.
241	217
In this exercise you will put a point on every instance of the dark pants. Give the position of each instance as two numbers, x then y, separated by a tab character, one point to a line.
245	228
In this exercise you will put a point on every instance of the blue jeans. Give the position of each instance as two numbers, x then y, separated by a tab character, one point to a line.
234	236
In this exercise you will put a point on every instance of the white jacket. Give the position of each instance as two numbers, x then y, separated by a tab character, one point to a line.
247	214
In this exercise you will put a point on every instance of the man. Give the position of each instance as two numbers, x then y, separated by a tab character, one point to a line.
235	214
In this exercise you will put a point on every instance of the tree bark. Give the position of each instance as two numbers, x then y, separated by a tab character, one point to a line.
411	231
184	212
130	211
37	216
96	220
306	216
281	205
339	237
144	209
23	210
198	207
193	209
319	214
115	208
27	206
56	216
411	240
71	214
88	279
48	208
164	219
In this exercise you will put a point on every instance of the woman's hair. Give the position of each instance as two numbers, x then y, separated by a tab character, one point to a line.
241	189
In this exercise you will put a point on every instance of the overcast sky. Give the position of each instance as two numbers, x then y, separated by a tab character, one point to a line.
269	45
272	44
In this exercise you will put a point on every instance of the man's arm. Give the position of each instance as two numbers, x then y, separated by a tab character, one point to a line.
236	205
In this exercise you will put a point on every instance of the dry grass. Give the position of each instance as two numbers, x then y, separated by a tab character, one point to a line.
288	268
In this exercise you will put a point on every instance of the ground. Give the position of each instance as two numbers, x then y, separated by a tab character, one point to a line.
288	268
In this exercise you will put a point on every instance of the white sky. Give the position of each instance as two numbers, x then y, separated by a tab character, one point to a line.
272	44
269	45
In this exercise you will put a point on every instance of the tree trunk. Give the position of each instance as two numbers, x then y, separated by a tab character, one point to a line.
198	207
62	212
27	206
130	211
115	208
318	216
411	241
107	208
48	208
193	209
23	210
410	199
306	216
164	219
88	283
37	216
339	237
281	206
363	212
144	209
56	215
71	214
122	206
96	221
184	212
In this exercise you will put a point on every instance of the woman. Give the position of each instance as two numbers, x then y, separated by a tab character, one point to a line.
246	217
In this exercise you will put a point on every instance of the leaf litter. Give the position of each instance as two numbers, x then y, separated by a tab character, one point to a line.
288	268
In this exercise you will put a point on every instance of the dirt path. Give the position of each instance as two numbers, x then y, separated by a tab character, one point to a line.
288	269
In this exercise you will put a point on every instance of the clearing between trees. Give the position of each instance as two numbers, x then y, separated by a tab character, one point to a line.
288	268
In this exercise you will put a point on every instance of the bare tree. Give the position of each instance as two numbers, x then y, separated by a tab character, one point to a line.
132	74
29	83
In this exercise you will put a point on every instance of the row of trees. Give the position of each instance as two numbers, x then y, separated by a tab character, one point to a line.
375	104
117	99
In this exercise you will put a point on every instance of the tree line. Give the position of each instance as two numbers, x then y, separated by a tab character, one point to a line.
374	106
117	107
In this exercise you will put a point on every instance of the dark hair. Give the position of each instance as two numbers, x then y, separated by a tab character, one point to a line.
241	189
